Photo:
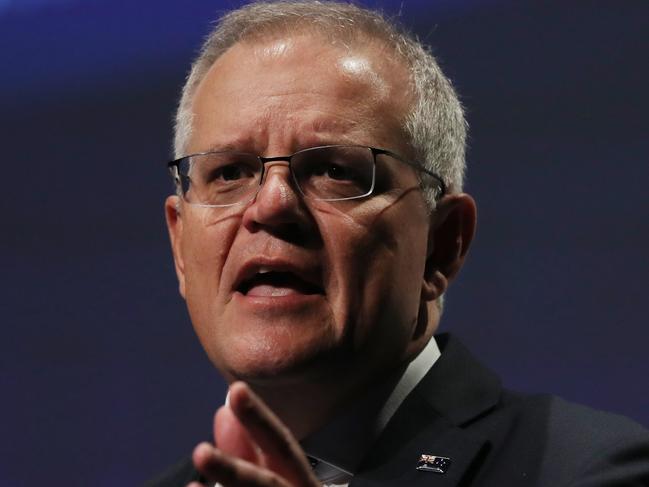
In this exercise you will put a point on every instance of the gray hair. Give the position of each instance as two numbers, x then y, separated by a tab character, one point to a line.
435	124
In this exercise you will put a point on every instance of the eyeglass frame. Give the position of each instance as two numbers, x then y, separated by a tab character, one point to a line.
174	169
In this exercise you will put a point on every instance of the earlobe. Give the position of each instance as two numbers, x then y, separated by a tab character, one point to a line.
451	231
175	228
434	285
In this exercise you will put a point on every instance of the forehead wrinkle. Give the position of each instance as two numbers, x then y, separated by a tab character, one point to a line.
329	124
244	138
306	127
315	126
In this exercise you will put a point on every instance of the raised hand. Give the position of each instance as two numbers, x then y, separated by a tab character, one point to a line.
254	448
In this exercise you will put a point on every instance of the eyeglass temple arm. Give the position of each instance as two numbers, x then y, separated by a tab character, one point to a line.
418	166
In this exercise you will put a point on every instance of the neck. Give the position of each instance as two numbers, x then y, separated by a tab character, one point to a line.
306	403
305	406
304	400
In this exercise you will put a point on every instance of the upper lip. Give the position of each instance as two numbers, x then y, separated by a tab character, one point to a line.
308	273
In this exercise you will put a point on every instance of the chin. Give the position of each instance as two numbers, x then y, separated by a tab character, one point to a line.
278	358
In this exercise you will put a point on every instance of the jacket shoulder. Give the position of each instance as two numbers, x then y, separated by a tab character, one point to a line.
605	448
567	444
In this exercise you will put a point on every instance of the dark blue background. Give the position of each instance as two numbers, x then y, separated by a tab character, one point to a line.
102	380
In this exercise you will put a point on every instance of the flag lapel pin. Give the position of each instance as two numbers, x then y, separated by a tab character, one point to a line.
433	463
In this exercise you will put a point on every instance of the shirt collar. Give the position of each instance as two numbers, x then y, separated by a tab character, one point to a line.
343	442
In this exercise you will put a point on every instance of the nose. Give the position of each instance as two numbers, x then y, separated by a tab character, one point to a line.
278	205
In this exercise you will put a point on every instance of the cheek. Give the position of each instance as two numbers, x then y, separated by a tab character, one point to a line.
206	246
376	265
355	259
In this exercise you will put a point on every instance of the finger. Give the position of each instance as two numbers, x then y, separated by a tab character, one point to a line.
232	438
217	466
282	452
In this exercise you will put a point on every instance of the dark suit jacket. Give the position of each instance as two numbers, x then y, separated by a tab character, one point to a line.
492	436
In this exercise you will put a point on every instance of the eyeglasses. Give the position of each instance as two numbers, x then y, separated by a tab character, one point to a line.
328	173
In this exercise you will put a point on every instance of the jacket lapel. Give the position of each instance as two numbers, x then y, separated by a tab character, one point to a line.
433	420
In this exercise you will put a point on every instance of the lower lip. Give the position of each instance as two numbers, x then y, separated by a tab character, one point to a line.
276	299
266	291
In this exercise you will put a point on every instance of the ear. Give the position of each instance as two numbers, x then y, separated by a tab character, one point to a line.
452	226
175	228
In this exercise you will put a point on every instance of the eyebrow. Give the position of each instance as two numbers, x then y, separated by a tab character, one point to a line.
309	143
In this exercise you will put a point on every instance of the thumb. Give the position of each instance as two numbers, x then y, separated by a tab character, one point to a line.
232	438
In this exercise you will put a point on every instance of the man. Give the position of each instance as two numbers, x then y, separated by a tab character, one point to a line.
318	221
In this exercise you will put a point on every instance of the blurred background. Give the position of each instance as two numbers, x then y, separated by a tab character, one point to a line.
103	382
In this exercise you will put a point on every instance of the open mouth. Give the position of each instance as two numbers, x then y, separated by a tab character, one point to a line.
276	284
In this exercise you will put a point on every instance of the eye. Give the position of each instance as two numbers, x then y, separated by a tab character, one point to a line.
230	172
335	171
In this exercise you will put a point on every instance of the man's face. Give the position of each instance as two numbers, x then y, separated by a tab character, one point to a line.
285	287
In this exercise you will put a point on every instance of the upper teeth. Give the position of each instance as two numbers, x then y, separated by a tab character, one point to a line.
264	270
